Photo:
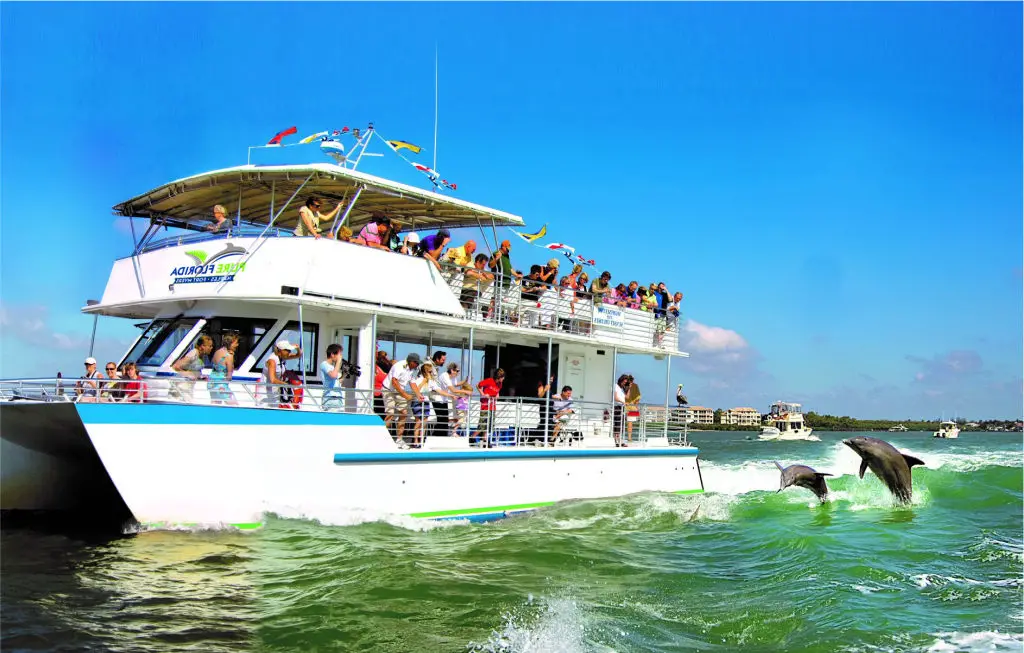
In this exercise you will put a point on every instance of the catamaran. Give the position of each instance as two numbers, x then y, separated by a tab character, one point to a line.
784	421
205	451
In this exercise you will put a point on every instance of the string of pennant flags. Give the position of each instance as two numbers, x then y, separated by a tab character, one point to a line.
330	143
567	251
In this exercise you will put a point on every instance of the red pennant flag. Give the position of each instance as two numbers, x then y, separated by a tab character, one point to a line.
288	132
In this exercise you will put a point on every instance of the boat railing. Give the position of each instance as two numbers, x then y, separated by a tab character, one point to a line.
532	304
191	237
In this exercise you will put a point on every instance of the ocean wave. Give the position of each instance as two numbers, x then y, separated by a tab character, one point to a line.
989	641
340	516
558	625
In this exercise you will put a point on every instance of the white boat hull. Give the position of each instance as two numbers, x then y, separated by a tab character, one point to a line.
177	464
947	435
772	433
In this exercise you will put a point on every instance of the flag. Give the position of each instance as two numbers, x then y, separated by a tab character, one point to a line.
397	145
313	137
335	133
444	182
344	130
585	261
288	132
532	237
559	247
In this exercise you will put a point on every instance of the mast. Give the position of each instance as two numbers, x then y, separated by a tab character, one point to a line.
434	167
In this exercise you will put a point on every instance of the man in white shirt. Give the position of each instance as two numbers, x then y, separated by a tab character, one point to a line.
397	392
561	405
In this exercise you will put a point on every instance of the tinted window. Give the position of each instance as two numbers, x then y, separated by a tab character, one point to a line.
159	340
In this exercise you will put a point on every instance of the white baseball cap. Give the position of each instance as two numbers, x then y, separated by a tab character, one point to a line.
413	237
285	345
90	361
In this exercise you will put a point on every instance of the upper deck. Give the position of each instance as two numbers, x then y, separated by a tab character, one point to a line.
254	257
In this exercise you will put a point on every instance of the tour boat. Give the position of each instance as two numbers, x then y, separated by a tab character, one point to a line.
899	428
947	431
185	455
784	421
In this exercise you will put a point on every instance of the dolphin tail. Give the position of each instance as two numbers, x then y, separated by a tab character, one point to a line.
911	461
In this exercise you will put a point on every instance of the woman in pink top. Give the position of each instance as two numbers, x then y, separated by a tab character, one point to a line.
375	233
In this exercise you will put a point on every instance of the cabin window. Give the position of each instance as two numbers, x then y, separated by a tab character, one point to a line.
250	331
158	341
309	346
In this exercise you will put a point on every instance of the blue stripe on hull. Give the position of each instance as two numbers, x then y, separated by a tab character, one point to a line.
188	414
507	454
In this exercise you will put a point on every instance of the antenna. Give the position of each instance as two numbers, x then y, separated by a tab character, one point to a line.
435	110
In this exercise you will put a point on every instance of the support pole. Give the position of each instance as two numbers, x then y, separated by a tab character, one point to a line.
547	398
92	340
668	381
430	344
394	345
340	222
615	369
470	366
238	213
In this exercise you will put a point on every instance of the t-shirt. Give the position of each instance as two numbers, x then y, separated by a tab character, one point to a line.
490	389
300	230
620	394
332	387
473	282
430	243
371	234
444	382
504	266
597	286
458	256
400	376
558	405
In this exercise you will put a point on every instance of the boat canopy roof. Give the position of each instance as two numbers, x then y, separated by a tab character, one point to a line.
188	203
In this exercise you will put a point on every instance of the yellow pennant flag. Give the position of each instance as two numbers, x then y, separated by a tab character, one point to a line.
409	146
310	139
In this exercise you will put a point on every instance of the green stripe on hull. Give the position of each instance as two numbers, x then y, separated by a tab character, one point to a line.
512	508
161	525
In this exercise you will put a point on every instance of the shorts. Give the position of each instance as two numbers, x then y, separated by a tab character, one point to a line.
468	297
395	404
420	409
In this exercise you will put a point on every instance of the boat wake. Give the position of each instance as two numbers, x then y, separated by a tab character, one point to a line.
540	627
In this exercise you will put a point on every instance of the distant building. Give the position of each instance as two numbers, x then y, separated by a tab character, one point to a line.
699	415
741	416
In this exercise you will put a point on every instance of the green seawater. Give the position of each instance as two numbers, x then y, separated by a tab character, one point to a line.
738	568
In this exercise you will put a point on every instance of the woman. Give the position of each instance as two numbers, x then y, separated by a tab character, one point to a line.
223	369
618	401
191	366
427	383
380	372
273	370
574	276
134	386
632	405
310	217
449	382
113	389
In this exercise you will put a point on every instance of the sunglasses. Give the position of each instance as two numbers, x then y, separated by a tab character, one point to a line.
111	369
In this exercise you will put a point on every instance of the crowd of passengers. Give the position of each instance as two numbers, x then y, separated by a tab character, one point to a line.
480	271
410	395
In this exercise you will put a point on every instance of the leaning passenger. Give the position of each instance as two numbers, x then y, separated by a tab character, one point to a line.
310	217
397	393
330	377
223	364
600	289
87	388
376	234
219	220
432	246
461	256
474	282
344	234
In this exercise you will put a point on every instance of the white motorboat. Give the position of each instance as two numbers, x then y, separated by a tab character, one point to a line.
899	428
785	421
947	431
216	451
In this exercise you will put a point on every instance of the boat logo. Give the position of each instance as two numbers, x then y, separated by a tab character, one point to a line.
206	269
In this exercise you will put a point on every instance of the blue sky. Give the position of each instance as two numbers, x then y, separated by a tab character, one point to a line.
835	187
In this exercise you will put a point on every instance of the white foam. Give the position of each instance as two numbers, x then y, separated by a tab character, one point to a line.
989	641
339	516
559	627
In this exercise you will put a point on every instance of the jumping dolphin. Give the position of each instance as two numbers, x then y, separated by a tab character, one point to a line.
803	476
888	464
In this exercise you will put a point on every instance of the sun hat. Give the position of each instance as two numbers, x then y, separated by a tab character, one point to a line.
90	361
284	345
413	237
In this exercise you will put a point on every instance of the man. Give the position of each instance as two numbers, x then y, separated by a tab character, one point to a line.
489	388
601	287
310	217
461	256
439	402
501	264
330	376
88	387
561	404
673	308
375	233
398	390
219	220
432	246
474	282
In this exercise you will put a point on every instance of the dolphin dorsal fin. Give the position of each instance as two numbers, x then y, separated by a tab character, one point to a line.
863	467
823	474
911	461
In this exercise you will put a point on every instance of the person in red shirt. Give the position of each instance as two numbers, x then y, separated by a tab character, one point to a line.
489	388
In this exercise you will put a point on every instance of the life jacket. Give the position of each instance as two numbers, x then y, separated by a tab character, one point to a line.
291	395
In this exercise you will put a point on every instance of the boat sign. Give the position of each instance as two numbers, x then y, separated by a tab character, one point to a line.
608	317
210	269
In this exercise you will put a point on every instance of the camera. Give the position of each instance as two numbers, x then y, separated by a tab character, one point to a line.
350	370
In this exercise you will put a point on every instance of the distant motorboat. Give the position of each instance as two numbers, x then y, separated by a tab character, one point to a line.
947	431
899	428
785	421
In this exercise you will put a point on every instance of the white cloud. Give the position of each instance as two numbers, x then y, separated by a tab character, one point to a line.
697	337
29	324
